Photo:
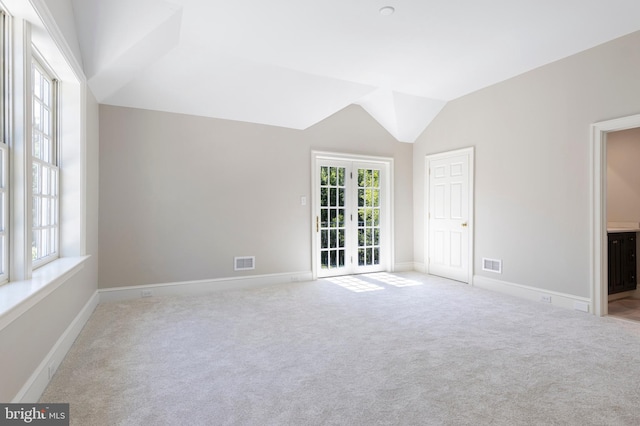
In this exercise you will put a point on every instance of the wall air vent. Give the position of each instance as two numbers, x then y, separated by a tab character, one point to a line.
492	265
244	263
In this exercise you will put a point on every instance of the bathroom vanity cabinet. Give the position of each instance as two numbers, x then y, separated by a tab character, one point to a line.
622	262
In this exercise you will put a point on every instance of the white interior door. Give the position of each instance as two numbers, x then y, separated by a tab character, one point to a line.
352	217
449	214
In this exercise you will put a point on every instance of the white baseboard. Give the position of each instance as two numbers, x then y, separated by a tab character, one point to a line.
420	267
201	286
555	298
37	383
404	267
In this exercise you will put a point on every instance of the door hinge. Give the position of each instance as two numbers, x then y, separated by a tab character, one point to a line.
351	259
351	175
352	218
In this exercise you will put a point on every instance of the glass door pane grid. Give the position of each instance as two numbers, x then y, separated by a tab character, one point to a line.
368	217
332	225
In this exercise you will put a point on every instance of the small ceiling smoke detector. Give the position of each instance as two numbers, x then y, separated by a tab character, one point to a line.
387	10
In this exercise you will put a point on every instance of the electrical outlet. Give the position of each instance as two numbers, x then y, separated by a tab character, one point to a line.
146	293
545	298
581	306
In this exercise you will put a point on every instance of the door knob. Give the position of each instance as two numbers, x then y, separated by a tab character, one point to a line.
464	224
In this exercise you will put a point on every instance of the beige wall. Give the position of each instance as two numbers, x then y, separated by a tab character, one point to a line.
27	340
532	172
181	195
623	176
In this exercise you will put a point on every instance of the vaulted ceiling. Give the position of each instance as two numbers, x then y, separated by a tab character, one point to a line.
293	63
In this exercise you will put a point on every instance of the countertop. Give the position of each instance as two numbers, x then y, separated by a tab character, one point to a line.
623	227
614	230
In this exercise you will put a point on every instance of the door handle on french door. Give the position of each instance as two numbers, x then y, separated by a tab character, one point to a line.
317	223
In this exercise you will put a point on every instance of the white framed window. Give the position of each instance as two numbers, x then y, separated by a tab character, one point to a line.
4	212
44	164
43	193
4	153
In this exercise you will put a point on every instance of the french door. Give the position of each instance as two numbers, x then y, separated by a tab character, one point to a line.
351	220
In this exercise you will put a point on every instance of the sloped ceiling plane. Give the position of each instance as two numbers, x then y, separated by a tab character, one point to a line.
292	63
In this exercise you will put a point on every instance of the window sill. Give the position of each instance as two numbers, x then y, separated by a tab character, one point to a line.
17	297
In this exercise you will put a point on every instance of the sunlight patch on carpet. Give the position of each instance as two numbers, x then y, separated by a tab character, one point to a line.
393	280
354	284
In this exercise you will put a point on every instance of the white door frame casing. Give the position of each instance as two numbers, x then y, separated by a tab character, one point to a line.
470	151
387	163
599	264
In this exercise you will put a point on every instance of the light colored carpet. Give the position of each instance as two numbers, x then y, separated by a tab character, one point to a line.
401	349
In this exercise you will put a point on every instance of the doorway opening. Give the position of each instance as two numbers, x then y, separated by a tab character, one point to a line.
352	211
599	249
